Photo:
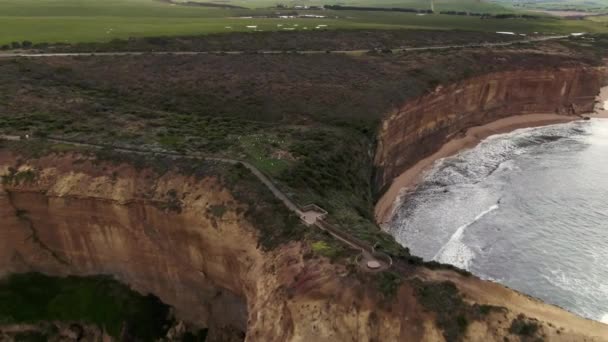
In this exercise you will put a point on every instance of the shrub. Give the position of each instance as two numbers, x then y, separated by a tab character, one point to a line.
444	299
388	283
523	327
16	45
99	300
19	177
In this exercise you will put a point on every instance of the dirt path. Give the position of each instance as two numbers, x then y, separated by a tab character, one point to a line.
270	52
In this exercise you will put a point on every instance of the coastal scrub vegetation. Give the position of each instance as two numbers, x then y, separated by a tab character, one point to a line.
307	121
523	326
453	314
98	300
15	177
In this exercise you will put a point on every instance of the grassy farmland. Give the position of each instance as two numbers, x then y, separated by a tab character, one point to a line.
74	21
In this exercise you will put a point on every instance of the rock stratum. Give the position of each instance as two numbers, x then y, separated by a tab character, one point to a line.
71	214
187	240
421	126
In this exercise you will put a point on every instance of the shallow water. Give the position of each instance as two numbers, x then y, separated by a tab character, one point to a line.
528	209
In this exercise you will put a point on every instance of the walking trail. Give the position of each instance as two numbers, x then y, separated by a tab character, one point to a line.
272	52
311	215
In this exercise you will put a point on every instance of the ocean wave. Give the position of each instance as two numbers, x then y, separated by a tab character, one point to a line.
455	252
474	165
547	239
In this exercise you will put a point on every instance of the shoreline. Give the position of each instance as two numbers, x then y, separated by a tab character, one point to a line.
407	180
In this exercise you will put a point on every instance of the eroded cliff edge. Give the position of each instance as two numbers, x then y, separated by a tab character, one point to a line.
422	125
192	240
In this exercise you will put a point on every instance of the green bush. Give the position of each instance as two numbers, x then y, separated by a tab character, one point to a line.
444	299
388	283
99	300
523	327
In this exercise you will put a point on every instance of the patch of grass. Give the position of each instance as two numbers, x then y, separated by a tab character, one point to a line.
320	247
263	151
329	249
99	300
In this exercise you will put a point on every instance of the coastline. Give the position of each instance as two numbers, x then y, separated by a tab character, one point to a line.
601	106
384	208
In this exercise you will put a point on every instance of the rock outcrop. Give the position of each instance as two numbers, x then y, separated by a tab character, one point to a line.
70	214
421	126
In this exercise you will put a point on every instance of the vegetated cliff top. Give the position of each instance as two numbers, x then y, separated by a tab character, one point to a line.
171	226
308	121
324	40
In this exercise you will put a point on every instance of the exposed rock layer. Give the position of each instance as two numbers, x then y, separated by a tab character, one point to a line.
421	126
80	217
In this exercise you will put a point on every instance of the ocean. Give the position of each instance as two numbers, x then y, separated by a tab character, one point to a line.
528	209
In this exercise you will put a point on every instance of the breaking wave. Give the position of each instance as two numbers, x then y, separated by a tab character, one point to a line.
549	238
457	253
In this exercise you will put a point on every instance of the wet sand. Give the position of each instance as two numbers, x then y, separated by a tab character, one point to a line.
601	108
407	180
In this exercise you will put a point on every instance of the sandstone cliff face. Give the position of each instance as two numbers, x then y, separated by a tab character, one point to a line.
84	223
71	215
421	126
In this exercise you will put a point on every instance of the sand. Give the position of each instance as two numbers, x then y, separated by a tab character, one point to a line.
407	180
601	108
575	328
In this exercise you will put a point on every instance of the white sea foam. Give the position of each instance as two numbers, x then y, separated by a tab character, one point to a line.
455	252
604	318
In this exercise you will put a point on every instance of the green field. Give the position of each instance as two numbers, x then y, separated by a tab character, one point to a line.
439	5
74	21
592	6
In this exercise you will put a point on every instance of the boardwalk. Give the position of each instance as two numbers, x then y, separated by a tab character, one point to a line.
308	214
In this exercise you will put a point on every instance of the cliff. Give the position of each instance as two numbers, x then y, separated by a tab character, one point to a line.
164	233
422	125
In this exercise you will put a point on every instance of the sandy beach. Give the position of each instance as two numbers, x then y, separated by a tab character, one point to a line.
601	108
408	179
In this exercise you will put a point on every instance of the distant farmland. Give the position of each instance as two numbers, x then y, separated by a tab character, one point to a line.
74	21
